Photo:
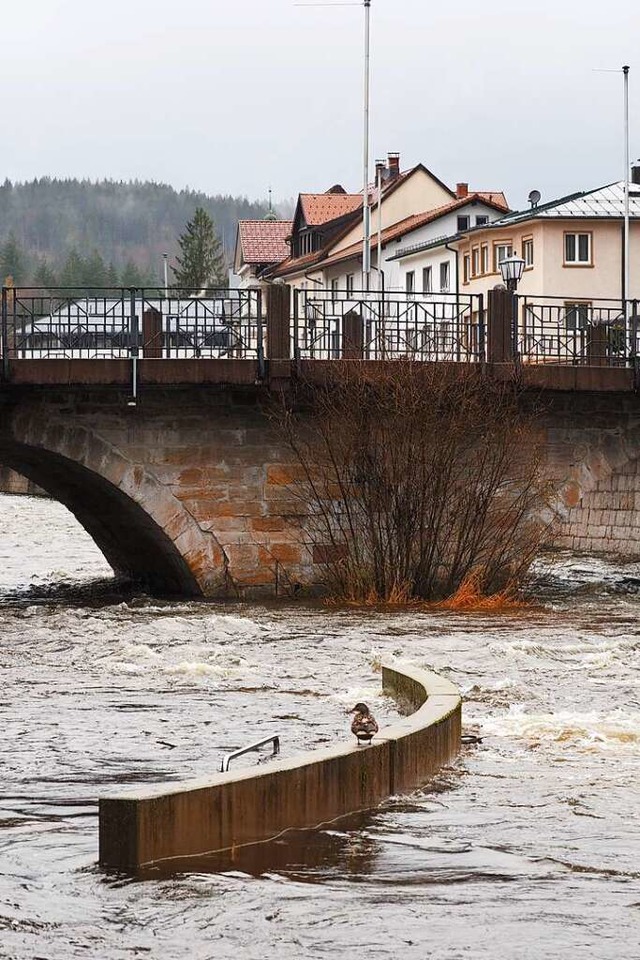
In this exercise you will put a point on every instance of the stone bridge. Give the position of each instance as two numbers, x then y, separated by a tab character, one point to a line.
188	490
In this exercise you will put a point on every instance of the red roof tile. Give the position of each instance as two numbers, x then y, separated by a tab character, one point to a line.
264	241
319	208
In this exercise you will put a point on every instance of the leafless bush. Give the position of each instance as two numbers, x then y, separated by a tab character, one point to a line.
416	479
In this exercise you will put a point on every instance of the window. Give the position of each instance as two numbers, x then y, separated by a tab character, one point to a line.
577	315
464	223
475	261
426	280
334	289
484	258
350	279
482	220
527	252
577	249
500	252
410	281
444	277
466	268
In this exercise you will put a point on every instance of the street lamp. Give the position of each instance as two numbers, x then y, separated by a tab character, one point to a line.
512	269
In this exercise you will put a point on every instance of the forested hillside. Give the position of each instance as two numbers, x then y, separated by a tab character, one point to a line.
77	232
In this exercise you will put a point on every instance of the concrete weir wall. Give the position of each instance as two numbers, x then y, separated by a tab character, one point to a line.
229	810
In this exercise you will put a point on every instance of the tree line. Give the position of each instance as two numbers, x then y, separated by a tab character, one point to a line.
80	233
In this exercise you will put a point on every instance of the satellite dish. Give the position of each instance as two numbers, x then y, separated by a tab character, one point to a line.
534	198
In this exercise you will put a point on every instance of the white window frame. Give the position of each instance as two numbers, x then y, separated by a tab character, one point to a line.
445	272
427	280
577	260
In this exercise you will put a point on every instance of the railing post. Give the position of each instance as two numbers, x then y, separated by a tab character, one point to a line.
152	334
5	337
296	333
279	322
134	334
482	333
352	336
500	324
597	342
259	332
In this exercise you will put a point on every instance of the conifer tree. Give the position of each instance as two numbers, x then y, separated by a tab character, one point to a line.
13	262
131	275
44	277
201	261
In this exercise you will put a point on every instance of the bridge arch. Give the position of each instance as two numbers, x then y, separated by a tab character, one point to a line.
142	529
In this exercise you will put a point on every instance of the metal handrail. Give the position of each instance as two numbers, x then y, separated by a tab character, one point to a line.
228	757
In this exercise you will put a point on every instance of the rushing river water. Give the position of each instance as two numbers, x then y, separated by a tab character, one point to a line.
527	847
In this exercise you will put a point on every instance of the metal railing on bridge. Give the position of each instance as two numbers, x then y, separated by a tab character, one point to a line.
348	324
576	332
120	323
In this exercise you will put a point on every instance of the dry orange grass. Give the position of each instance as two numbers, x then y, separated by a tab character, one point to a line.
469	596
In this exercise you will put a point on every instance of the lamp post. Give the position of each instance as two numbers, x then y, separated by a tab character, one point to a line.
512	269
165	273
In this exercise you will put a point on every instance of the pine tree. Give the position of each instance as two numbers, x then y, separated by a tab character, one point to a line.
13	262
72	275
95	273
131	275
111	276
44	277
201	263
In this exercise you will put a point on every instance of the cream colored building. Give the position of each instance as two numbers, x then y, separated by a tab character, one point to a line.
327	233
573	248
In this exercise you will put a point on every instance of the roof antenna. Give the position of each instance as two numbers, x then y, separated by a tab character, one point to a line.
534	198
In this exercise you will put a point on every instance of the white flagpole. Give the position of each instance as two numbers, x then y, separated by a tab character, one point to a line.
366	209
627	171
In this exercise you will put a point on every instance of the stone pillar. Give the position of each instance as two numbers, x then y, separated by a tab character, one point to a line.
500	326
352	336
279	322
152	339
597	345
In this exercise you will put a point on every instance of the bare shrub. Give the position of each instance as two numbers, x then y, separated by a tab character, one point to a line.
416	479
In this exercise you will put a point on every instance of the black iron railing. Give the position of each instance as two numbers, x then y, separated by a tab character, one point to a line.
120	323
576	332
347	324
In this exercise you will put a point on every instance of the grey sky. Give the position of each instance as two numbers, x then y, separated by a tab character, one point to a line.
235	96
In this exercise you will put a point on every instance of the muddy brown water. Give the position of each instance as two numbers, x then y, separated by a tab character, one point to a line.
527	847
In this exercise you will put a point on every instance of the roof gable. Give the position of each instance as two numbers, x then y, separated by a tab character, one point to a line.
262	241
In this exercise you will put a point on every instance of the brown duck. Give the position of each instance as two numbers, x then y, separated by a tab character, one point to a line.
364	724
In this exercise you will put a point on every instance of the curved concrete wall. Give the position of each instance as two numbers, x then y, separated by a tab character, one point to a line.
229	810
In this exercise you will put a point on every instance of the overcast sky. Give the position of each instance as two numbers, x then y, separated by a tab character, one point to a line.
237	96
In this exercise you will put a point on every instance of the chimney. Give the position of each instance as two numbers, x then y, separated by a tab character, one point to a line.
462	190
635	172
381	171
394	166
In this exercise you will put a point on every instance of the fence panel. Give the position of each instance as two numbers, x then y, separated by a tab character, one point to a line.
332	325
597	332
72	324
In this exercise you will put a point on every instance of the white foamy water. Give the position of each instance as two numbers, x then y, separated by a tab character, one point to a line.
527	848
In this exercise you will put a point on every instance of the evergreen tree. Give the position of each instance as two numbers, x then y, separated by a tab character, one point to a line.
131	276
73	273
111	276
13	262
95	272
44	276
201	263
